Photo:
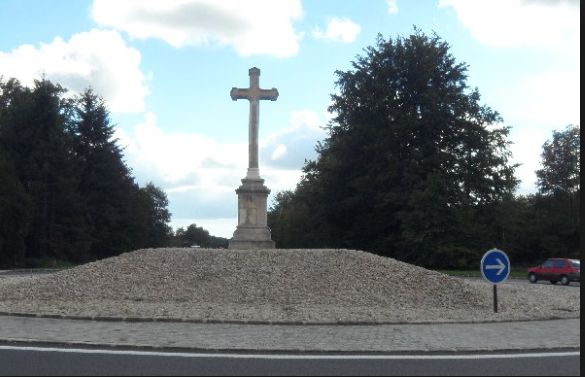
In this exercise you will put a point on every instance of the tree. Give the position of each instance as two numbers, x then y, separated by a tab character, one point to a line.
561	161
106	182
561	172
292	222
160	216
197	236
34	132
192	236
151	216
66	190
15	208
411	156
559	202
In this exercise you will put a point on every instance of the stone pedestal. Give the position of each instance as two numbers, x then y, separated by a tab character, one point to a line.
252	232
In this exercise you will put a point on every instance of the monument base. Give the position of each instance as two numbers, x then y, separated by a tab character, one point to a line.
252	245
253	232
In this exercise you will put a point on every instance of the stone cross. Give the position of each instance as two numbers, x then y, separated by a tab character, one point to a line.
253	232
254	94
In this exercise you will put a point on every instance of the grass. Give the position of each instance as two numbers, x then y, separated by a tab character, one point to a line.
45	264
515	274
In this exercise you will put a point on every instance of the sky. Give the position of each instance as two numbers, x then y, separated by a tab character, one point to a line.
166	69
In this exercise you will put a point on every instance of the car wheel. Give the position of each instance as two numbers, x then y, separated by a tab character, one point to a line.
533	279
565	280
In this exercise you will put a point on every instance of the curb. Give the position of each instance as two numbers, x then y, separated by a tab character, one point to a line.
210	351
270	323
448	338
32	271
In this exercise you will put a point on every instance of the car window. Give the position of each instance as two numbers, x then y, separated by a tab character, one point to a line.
548	264
560	264
576	264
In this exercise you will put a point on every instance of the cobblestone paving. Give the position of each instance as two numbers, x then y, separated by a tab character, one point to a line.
384	338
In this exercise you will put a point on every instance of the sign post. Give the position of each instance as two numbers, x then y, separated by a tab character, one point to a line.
495	268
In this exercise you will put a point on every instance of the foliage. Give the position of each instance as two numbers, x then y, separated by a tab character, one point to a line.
15	208
561	160
106	182
65	191
412	163
195	236
36	139
153	231
416	168
559	204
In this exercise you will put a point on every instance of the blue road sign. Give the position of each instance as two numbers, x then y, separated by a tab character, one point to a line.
495	267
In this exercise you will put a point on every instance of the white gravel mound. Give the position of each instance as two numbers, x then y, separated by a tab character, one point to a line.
276	286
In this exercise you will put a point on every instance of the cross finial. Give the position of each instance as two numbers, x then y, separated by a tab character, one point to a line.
254	93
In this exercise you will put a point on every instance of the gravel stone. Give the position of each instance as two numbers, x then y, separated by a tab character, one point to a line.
275	286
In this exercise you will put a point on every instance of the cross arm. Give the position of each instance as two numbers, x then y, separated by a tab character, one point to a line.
266	95
240	94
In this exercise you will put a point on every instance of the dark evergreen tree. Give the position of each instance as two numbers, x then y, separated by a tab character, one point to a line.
151	216
65	187
34	132
106	181
15	207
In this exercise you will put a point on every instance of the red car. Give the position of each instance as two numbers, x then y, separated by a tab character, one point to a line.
557	270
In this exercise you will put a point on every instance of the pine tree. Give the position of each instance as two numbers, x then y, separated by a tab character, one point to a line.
66	190
34	132
15	207
106	182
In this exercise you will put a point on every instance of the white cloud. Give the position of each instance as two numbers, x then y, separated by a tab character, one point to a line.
511	23
541	103
200	174
179	157
339	30
99	59
279	152
289	148
392	6
174	157
252	27
527	149
550	99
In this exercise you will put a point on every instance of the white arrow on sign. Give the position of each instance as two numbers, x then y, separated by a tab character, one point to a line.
501	266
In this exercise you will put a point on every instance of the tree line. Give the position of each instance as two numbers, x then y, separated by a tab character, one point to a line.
194	236
416	168
65	192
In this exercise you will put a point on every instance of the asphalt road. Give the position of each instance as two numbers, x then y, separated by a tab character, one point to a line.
572	285
542	282
19	361
25	273
16	361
